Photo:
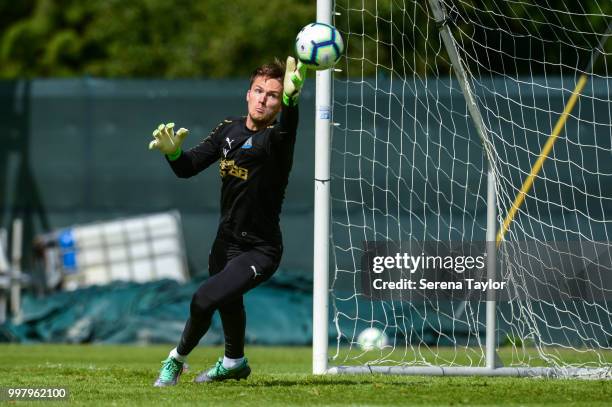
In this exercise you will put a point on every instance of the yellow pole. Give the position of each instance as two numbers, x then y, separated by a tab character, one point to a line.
518	201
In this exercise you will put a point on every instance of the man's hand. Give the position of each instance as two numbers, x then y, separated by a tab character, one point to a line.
167	142
294	80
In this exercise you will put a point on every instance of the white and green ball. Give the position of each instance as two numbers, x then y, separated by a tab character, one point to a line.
319	46
372	338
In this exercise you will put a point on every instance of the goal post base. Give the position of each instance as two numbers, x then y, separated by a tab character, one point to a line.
570	372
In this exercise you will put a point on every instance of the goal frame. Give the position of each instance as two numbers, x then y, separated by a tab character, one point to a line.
322	218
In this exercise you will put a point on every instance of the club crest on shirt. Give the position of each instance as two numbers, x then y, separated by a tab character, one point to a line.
248	143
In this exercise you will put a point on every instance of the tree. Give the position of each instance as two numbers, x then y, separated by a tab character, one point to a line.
147	38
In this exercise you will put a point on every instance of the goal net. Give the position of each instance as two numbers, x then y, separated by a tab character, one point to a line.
409	165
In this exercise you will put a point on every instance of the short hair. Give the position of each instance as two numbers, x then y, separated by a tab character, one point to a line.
272	70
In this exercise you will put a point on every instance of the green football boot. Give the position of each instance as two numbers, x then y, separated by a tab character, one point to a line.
219	373
170	372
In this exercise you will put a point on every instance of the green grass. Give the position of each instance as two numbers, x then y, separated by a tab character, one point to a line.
123	375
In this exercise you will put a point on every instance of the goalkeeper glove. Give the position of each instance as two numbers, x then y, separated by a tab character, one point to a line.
167	142
294	80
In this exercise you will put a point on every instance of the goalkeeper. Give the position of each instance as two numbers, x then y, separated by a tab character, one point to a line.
255	155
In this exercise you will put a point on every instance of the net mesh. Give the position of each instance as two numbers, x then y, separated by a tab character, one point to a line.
408	165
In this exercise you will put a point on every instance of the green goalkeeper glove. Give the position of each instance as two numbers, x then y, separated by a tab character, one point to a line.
294	80
167	142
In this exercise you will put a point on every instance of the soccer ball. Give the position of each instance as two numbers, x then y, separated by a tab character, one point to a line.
372	338
319	46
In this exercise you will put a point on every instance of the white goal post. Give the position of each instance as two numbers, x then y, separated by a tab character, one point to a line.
463	121
323	123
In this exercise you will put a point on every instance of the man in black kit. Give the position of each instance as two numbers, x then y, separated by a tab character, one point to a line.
256	154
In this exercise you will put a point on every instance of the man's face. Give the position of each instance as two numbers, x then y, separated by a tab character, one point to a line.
264	99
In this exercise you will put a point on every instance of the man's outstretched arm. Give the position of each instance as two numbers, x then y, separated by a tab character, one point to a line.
185	164
295	75
167	141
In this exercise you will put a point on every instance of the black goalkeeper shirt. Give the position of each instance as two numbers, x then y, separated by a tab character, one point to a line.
254	167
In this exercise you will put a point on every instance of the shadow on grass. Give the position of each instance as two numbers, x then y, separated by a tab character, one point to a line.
313	381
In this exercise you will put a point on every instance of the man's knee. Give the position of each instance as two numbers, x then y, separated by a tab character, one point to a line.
201	305
233	307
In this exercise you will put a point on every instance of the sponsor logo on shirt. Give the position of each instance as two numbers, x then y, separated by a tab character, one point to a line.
229	167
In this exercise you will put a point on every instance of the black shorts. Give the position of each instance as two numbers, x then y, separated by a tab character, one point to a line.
236	268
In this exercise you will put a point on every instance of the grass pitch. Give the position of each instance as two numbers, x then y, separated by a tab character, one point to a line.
123	375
